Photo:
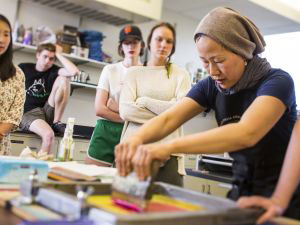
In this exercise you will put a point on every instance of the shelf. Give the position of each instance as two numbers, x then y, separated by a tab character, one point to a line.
84	84
75	59
100	11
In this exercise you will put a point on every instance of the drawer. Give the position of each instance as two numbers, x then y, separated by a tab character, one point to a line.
207	186
19	142
80	150
190	161
217	188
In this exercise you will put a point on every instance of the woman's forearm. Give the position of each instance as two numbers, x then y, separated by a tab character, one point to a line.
158	106
132	112
290	174
108	114
167	122
254	124
228	138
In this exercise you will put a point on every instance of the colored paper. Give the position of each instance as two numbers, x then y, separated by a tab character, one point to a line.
158	203
59	222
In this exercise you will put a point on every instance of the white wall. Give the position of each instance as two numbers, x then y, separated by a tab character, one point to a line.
288	46
185	48
81	103
8	9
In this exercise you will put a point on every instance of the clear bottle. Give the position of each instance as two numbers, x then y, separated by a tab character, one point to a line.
66	147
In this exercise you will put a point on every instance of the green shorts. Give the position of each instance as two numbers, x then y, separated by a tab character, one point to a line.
105	137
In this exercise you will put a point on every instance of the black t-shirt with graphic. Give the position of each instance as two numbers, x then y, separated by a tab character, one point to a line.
38	85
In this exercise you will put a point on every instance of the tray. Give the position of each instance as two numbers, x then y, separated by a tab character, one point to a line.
219	211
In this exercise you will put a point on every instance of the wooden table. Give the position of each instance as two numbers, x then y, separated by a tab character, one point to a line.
8	218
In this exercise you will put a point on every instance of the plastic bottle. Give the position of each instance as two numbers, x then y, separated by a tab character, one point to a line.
66	147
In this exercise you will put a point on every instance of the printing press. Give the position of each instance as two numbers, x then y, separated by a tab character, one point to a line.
69	201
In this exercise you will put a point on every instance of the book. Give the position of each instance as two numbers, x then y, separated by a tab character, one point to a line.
64	174
86	172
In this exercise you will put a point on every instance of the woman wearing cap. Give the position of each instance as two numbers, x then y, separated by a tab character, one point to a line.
109	128
254	104
152	89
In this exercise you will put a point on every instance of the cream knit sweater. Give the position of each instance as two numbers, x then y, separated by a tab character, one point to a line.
147	92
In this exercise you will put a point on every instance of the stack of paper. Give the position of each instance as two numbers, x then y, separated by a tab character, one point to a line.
106	174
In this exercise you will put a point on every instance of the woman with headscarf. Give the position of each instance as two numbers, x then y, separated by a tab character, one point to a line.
254	104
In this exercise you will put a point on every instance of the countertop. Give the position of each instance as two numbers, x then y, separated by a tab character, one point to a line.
224	178
80	132
8	218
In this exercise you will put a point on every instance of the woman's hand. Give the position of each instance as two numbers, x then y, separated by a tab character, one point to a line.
145	155
124	153
5	129
274	207
112	105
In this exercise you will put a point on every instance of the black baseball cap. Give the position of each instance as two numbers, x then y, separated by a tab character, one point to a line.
130	31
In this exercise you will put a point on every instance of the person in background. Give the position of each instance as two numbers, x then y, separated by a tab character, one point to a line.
108	129
254	105
152	89
12	88
47	93
286	186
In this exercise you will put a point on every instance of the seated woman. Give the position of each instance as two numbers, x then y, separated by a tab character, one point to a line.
150	90
254	105
12	88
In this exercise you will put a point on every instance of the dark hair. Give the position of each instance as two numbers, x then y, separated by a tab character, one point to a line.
121	52
7	68
47	46
172	29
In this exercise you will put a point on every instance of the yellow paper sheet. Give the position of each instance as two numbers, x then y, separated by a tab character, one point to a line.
105	202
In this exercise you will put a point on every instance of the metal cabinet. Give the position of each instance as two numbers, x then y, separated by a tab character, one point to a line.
80	148
190	161
80	151
207	186
19	141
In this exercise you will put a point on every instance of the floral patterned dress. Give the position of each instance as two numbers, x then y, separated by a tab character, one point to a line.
12	98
